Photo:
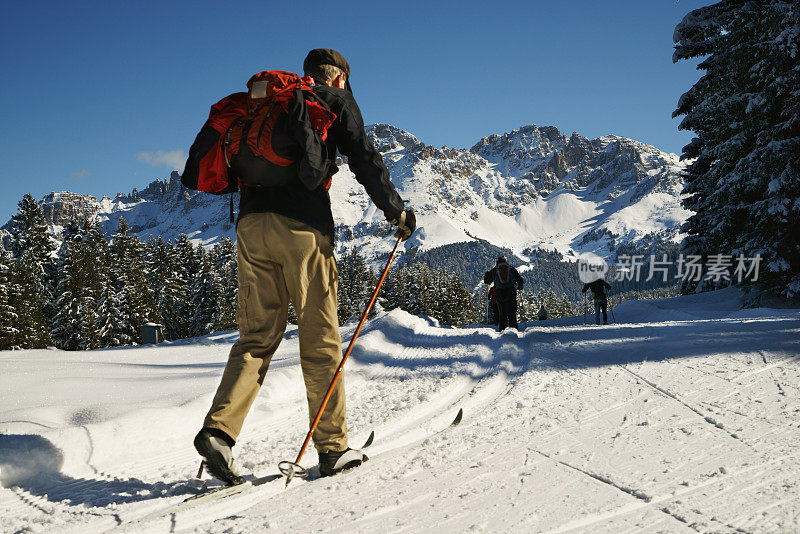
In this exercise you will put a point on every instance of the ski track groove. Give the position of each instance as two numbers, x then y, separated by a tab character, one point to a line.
711	421
26	501
772	375
592	519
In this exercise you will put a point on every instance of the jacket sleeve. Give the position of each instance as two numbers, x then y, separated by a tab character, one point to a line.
366	162
488	278
585	287
606	284
518	278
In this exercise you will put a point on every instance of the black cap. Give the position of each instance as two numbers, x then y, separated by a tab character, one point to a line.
501	259
327	56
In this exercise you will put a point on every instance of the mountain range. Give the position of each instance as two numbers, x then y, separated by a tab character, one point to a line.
531	188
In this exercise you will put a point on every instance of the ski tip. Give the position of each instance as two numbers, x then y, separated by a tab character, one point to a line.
458	417
369	441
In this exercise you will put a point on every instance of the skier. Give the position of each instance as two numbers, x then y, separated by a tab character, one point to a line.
542	315
600	298
492	313
506	281
285	254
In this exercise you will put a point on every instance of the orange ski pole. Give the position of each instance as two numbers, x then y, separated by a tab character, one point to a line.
290	469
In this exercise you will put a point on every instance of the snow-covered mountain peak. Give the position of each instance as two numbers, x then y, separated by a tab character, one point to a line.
526	149
387	138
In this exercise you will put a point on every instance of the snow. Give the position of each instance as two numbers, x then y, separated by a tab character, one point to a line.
684	416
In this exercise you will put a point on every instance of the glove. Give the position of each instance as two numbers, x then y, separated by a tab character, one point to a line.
406	224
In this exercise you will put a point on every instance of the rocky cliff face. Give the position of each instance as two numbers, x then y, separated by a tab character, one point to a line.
532	187
62	206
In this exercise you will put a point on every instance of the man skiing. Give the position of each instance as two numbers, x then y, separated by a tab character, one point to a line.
506	281
285	254
600	298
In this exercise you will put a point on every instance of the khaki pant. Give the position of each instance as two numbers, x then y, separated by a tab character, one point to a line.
281	259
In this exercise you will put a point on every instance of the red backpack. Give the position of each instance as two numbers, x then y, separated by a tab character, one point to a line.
270	136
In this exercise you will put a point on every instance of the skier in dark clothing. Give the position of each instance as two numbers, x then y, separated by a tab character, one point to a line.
600	298
506	281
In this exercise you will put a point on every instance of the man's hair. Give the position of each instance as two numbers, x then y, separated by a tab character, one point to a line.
324	73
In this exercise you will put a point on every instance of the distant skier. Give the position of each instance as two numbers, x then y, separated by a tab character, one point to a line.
506	281
542	315
492	313
600	298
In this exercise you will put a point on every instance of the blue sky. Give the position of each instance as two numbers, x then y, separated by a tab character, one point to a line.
102	97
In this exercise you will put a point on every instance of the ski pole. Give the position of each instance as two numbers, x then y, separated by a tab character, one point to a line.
585	309
290	469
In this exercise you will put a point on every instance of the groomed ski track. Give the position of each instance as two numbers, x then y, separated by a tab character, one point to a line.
683	417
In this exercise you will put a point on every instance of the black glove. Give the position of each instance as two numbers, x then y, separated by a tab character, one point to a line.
406	224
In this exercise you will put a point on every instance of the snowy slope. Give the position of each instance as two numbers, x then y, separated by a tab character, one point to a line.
532	187
684	416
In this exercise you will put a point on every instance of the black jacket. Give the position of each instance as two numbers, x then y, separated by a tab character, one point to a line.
598	288
488	278
346	135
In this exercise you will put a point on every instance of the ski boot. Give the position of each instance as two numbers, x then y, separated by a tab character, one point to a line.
333	462
215	448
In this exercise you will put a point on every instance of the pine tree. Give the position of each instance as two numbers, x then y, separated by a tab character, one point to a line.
32	248
79	287
533	305
206	297
566	308
110	329
131	286
109	310
176	297
744	183
224	257
292	315
424	290
174	293
8	316
392	289
460	303
356	283
523	308
551	304
158	266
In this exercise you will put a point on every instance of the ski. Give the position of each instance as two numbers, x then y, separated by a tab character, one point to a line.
214	494
459	415
213	501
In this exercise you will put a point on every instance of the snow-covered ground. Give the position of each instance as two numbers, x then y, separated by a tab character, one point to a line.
684	416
